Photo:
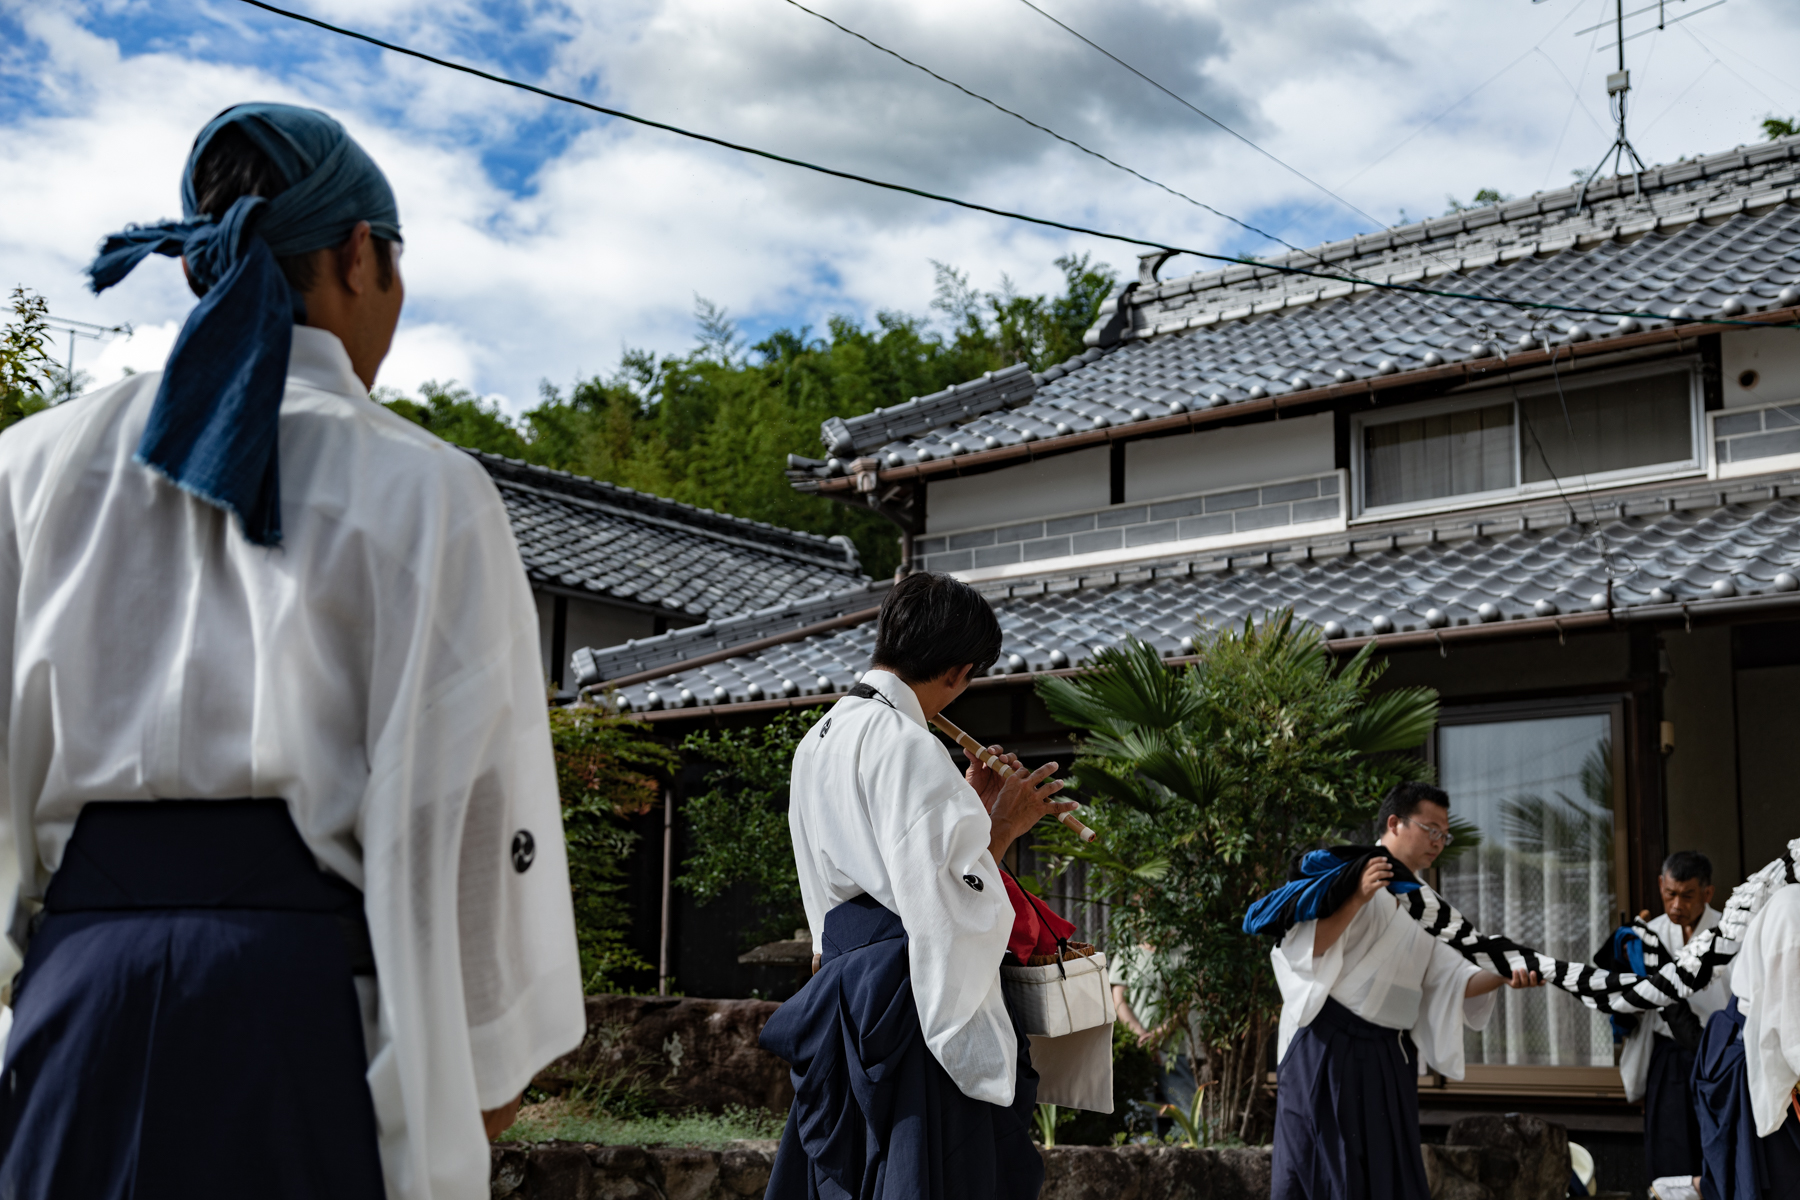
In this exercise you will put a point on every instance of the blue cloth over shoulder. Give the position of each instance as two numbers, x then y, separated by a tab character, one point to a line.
875	1115
213	427
1319	881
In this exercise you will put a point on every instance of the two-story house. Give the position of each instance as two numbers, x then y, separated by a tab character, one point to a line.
1582	529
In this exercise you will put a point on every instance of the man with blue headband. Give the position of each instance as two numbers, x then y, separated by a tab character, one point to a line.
274	752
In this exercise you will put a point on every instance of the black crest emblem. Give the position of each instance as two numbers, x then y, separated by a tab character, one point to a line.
973	881
524	851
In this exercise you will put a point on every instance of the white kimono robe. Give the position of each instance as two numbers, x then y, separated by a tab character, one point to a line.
1387	970
1767	983
379	671
1634	1058
878	807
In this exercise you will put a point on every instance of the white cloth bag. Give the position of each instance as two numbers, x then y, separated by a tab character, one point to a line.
1060	998
1075	1070
1067	1010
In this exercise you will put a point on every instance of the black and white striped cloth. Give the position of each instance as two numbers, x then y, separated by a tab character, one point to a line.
1677	975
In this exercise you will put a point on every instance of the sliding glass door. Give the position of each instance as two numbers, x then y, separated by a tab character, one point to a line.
1542	792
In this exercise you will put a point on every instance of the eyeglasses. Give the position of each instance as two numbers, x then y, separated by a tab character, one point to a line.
1439	837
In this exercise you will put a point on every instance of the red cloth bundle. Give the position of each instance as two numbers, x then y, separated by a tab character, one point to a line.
1036	929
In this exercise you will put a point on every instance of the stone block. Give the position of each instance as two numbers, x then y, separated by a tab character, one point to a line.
506	1177
688	1174
1090	1173
560	1172
744	1168
1454	1173
1523	1157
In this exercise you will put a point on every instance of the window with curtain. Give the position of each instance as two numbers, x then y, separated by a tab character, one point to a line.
1540	793
1536	436
1428	458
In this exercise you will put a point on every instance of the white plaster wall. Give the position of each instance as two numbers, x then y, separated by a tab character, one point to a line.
1213	459
1078	482
1774	354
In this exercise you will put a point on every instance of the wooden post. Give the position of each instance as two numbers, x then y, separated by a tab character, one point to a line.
662	970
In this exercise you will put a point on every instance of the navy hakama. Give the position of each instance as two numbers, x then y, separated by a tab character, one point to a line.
875	1116
1347	1113
1671	1126
186	1023
1737	1164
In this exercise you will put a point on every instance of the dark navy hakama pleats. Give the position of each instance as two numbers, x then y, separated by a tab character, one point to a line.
1347	1113
1671	1126
1736	1163
875	1115
186	1024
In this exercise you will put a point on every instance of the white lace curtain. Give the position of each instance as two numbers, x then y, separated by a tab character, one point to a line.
1540	792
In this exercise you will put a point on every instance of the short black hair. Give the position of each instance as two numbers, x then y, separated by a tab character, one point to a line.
233	166
1684	865
932	623
1403	801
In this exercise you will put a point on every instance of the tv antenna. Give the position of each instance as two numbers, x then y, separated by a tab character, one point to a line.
1618	87
81	329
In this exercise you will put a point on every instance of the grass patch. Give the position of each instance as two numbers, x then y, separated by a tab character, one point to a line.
564	1119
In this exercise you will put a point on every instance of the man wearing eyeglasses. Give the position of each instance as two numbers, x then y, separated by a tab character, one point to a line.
1370	1001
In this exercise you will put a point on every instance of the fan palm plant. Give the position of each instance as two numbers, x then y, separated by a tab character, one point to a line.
1203	782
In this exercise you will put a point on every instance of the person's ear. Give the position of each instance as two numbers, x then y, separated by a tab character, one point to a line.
959	677
356	260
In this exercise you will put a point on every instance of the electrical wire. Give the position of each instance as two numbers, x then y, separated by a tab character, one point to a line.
1128	239
1185	103
1263	233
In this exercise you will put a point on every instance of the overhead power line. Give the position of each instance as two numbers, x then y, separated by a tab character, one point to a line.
974	95
1128	239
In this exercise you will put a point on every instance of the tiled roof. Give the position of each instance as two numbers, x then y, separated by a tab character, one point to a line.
614	542
1660	551
1716	237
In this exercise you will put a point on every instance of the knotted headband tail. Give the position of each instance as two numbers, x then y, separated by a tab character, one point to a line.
1677	977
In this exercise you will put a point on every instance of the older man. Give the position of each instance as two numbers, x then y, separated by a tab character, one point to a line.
1658	1058
277	774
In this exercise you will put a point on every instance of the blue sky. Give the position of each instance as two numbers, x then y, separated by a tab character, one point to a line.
542	240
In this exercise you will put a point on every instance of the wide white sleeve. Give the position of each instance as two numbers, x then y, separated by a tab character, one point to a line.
1444	1010
950	897
467	888
1634	1059
1767	976
1305	981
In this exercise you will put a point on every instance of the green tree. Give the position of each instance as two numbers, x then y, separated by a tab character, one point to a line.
606	770
1776	128
27	374
1202	782
458	415
739	825
713	427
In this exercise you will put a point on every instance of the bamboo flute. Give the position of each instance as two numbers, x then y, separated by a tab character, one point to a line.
975	749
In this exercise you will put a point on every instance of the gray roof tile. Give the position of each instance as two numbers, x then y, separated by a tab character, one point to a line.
1666	545
1705	237
610	541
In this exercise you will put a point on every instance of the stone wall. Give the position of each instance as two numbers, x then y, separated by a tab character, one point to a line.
703	1051
561	1171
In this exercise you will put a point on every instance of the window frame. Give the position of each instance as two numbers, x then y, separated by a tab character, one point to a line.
1697	462
1506	1079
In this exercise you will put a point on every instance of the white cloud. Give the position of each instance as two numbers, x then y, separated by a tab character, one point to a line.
619	227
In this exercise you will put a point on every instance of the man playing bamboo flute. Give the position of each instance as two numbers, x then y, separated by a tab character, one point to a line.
1370	1000
279	798
911	1078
